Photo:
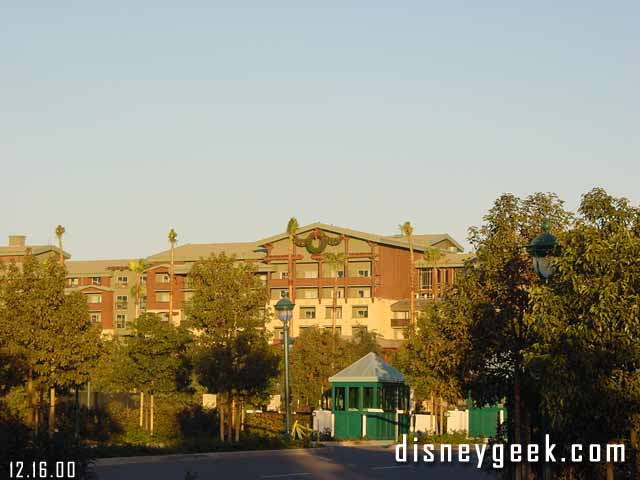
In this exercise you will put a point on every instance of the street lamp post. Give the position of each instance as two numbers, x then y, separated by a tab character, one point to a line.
284	307
543	250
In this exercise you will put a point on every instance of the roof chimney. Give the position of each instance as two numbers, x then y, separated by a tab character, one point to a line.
17	240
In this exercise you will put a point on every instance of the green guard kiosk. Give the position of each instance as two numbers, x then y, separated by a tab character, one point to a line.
370	400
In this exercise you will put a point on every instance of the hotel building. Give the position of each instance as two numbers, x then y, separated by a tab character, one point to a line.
372	283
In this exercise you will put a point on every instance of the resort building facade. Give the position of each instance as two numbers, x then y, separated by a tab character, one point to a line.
372	279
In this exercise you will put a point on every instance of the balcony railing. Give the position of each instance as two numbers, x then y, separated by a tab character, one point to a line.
399	322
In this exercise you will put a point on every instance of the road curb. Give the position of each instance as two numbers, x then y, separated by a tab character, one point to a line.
189	457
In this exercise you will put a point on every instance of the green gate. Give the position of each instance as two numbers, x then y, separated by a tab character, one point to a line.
484	421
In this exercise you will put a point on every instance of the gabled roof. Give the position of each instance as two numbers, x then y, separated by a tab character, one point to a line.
370	368
88	267
36	250
430	240
181	269
448	259
192	252
403	305
396	241
86	287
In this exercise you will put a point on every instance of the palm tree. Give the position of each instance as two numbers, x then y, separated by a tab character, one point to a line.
292	229
407	231
138	267
173	238
335	261
59	233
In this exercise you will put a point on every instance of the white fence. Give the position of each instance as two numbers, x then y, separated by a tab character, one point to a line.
456	421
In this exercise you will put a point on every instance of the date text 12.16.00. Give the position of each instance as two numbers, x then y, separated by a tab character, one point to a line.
38	470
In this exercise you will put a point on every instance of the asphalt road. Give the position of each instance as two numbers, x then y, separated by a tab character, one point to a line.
339	462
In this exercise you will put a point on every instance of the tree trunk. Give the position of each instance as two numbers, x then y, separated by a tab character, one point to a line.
52	411
610	471
31	411
242	417
335	307
151	414
412	296
142	409
77	413
232	417
526	427
229	418
221	416
443	429
516	419
238	419
37	413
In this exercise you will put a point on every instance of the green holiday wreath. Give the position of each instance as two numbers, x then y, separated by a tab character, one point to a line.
321	237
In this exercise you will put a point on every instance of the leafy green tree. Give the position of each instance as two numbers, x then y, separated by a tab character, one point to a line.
588	325
489	314
363	342
155	358
312	363
49	332
228	312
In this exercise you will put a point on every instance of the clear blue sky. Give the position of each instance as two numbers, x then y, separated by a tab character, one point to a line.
123	119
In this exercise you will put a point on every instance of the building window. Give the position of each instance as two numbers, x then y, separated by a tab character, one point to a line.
367	397
358	329
122	302
188	296
94	298
96	281
121	320
278	293
338	330
364	293
284	275
96	317
162	296
339	400
354	398
340	273
164	316
301	330
123	280
426	278
143	278
162	278
73	282
308	312
329	312
363	273
278	334
311	293
360	312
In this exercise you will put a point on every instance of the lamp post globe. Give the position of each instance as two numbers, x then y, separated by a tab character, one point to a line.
543	250
284	308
